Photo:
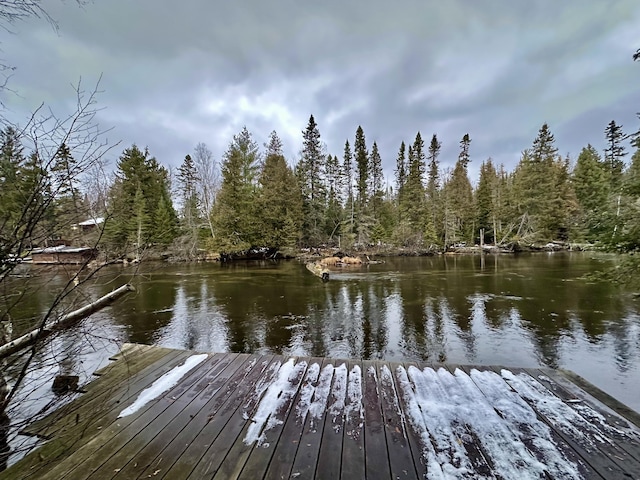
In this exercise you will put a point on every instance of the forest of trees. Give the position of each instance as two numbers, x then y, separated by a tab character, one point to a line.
253	197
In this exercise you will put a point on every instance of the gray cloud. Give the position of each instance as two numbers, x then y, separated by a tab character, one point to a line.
175	76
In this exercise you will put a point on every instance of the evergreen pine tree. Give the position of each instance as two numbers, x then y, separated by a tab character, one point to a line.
376	176
140	185
537	191
614	152
187	180
413	198
433	190
234	213
11	159
484	201
458	224
590	179
362	168
347	171
311	172
401	171
279	203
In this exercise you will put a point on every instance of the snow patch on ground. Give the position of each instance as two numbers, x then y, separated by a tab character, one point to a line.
165	383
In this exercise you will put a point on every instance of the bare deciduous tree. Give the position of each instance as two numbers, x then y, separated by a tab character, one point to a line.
208	181
43	134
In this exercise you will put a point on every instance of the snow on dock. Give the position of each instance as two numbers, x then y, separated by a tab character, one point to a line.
160	413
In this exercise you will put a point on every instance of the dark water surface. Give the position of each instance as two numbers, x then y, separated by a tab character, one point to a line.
527	310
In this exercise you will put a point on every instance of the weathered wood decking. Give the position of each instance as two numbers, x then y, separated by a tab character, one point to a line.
265	416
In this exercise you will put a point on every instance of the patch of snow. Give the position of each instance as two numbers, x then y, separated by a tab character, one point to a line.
338	395
565	418
165	383
307	390
521	418
262	384
417	422
277	395
354	409
320	396
461	432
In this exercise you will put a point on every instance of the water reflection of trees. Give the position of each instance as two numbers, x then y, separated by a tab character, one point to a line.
431	309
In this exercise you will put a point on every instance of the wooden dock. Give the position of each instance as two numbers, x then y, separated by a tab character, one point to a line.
246	416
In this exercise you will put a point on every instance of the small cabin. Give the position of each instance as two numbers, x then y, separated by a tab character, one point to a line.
63	255
88	225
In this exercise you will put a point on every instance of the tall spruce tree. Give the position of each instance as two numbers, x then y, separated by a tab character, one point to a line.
401	170
188	190
376	178
279	203
234	213
190	205
536	189
347	172
413	199
614	152
141	212
311	175
68	206
433	189
11	160
458	190
334	213
485	208
590	179
362	167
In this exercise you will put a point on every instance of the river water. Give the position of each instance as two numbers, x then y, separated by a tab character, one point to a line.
526	310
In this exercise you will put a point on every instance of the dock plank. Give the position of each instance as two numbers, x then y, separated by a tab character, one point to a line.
353	463
261	452
306	459
134	362
560	417
185	449
285	450
376	453
73	429
178	421
542	442
84	461
217	456
330	454
397	430
617	432
135	432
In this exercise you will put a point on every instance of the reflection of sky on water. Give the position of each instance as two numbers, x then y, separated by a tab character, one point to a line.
196	323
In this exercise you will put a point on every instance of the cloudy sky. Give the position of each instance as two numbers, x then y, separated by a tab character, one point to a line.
178	73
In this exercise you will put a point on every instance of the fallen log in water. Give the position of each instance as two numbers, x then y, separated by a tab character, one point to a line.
319	271
64	321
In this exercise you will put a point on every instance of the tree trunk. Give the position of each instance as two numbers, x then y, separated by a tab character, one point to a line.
64	321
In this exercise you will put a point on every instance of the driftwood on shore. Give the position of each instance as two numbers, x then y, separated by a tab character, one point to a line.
64	321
